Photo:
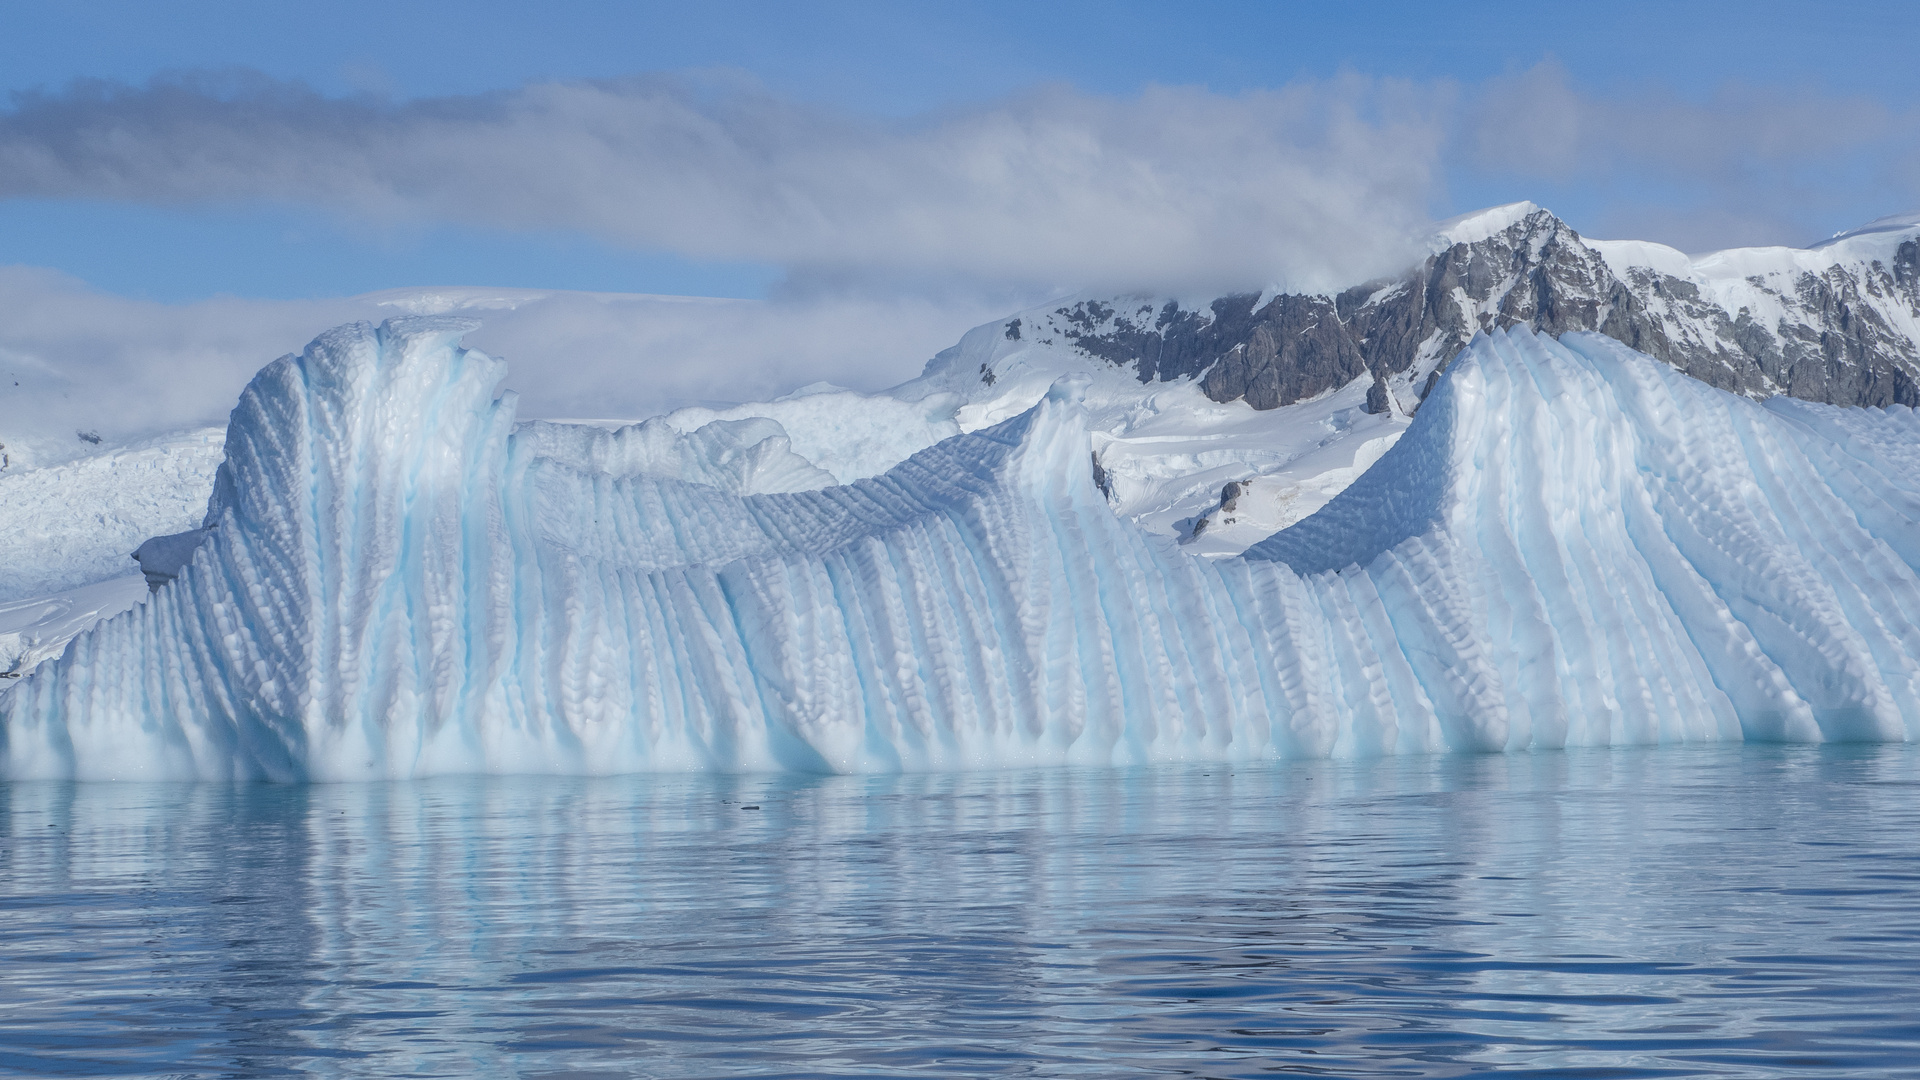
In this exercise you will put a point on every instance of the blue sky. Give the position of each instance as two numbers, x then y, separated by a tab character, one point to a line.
917	66
188	190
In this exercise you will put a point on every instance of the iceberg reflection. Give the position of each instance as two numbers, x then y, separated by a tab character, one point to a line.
1737	908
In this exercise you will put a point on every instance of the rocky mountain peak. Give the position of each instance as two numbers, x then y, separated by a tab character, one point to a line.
1757	322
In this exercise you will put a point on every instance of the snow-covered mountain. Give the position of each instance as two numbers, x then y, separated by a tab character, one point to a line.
1288	397
1214	420
397	582
1837	323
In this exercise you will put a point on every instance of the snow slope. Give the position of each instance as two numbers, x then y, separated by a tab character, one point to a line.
1858	284
76	523
39	628
399	586
1165	448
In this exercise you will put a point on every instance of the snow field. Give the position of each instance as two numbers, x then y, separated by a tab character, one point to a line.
76	523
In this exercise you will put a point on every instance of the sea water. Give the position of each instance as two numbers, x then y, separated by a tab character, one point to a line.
1742	911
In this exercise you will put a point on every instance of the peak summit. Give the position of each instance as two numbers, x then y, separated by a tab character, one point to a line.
1471	228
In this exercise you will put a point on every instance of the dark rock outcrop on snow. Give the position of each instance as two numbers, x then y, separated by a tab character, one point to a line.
1824	336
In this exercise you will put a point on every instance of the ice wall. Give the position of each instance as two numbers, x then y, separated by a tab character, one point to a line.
1572	544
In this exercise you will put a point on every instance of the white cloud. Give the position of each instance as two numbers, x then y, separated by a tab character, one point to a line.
74	359
1312	184
1752	164
586	355
896	235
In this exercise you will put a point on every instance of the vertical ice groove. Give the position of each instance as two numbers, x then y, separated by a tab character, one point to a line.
1571	544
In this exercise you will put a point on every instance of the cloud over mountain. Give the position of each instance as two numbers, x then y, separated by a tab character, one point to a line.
894	234
1311	184
1752	164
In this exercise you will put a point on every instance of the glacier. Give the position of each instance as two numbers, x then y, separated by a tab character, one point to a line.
1571	544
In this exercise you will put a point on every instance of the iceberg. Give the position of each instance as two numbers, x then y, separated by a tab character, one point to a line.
1571	544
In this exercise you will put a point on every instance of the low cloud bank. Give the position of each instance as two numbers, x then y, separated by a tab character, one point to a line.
76	360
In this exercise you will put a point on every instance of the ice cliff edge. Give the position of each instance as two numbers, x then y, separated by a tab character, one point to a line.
1572	544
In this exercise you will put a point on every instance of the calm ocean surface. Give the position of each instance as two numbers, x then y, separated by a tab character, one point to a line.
1741	911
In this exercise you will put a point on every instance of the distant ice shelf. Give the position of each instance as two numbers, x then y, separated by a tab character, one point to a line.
1571	544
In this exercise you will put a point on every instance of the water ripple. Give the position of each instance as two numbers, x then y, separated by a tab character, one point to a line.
1744	911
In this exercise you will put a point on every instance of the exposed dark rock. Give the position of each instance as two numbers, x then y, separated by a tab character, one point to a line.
1378	396
1833	342
1296	347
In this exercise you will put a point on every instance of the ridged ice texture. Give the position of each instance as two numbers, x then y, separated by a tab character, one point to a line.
1571	545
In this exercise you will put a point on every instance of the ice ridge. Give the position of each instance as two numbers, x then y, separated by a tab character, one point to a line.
1573	544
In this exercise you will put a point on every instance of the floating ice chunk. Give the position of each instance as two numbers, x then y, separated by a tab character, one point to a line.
1571	544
